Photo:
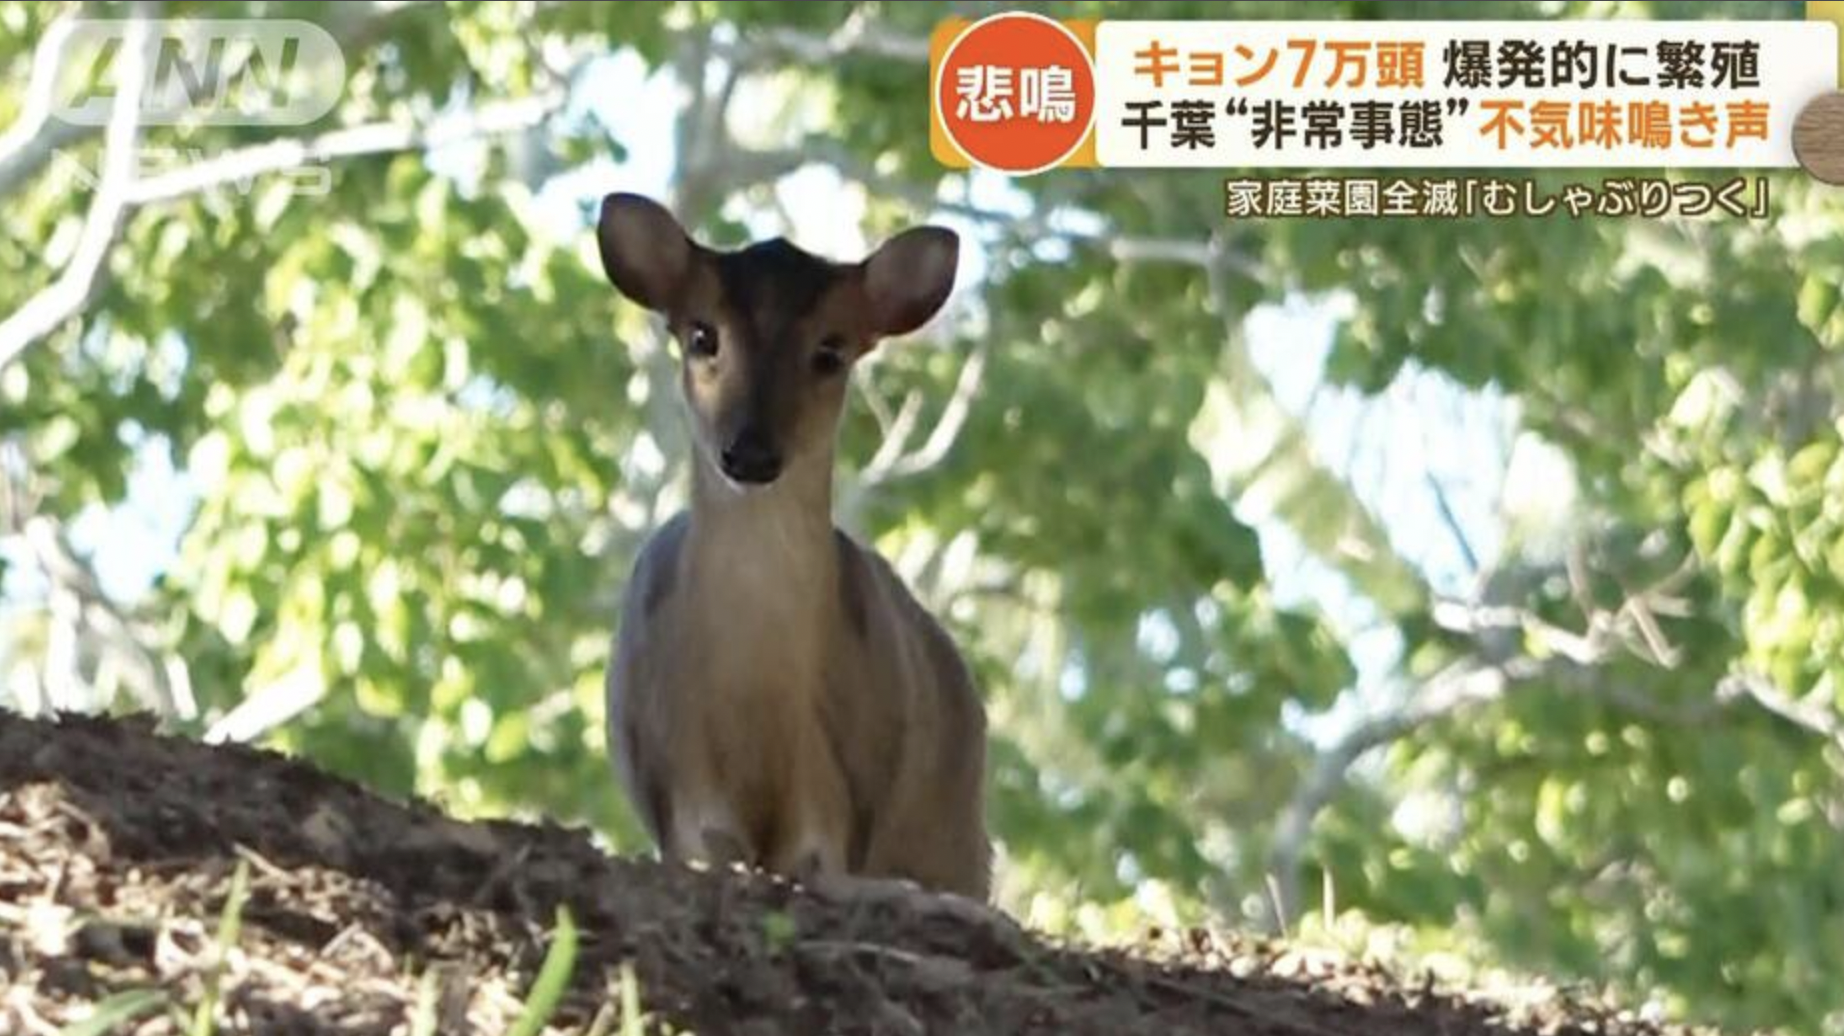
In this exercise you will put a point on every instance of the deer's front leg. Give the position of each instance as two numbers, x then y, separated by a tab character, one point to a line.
815	833
706	828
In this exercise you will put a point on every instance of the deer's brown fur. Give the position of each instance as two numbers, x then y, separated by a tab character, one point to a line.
777	696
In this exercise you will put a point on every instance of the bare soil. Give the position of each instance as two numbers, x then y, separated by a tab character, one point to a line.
117	848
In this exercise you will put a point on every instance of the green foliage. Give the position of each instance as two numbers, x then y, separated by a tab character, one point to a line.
426	440
230	925
116	1011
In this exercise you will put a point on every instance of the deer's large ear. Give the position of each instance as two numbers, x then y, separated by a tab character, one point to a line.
644	250
909	277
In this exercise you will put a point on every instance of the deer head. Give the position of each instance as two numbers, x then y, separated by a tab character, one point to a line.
768	334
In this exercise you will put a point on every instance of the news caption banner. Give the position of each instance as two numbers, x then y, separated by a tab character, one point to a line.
1019	94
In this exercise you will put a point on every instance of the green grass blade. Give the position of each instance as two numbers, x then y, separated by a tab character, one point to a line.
633	1022
230	925
114	1010
422	1023
230	922
553	978
604	1021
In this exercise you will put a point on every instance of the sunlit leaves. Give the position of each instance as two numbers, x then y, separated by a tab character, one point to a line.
425	449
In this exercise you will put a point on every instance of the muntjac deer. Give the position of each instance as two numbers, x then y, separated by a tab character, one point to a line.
777	696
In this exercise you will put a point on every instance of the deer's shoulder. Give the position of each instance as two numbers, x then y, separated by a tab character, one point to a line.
868	579
656	568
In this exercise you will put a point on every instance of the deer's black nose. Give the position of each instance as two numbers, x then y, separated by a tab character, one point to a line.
750	457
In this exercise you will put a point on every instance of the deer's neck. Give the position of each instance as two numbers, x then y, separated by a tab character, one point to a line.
771	545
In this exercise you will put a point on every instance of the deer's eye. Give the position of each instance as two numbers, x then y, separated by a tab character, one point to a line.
701	340
830	358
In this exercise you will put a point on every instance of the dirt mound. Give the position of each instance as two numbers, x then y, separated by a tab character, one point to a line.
118	849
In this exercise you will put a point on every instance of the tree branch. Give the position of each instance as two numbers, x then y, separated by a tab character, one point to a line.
28	144
896	437
894	460
1450	519
108	208
83	612
268	707
1456	688
247	163
1573	664
34	137
1035	227
118	197
858	36
891	464
1811	713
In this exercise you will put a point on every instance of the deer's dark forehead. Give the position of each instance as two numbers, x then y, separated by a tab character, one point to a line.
772	282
